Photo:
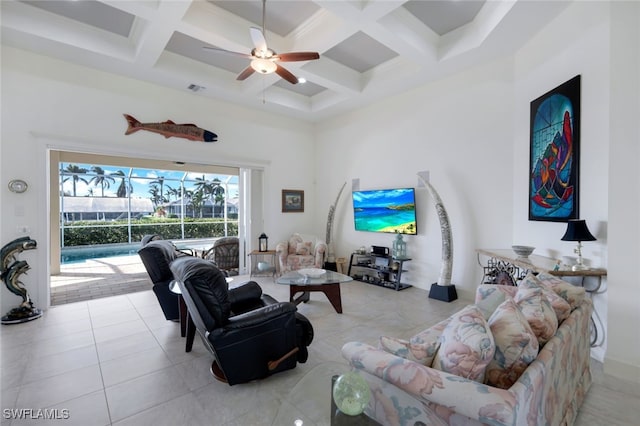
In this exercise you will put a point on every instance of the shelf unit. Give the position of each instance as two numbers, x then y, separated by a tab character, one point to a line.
381	270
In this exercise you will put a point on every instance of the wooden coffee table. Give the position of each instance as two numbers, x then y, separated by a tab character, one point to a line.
327	282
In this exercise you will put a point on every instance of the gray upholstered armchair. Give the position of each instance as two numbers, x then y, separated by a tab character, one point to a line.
300	251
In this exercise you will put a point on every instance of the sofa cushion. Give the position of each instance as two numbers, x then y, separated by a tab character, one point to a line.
572	294
293	243
538	312
516	345
489	296
466	345
304	248
560	306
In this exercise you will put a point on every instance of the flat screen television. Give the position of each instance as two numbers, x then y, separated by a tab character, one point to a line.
385	210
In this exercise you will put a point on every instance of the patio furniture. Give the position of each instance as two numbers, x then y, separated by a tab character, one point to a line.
226	254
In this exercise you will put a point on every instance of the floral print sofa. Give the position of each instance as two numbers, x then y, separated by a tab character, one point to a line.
533	382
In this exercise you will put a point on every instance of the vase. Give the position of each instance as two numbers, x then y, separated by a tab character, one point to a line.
351	393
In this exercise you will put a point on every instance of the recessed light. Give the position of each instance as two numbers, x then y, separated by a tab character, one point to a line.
302	80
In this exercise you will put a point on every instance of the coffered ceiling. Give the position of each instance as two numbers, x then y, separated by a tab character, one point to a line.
369	49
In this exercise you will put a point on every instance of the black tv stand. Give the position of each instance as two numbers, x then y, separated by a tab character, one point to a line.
381	270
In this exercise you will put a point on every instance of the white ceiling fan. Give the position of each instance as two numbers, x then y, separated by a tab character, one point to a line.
263	59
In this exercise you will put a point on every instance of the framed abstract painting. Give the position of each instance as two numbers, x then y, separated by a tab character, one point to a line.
555	153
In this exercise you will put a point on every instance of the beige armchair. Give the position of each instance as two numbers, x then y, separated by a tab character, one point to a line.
300	251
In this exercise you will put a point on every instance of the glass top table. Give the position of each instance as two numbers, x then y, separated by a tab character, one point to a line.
310	401
305	281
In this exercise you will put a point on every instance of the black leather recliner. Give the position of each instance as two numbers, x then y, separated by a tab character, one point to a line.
250	334
156	256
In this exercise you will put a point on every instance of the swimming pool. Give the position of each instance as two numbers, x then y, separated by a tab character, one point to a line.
78	254
81	253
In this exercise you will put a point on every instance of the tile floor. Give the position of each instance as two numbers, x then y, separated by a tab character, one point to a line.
116	361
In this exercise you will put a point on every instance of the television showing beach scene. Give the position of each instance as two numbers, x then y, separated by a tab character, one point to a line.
385	210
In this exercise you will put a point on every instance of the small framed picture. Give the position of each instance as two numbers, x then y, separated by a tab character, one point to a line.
292	201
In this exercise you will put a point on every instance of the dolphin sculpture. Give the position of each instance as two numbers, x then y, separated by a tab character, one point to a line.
10	272
12	280
9	251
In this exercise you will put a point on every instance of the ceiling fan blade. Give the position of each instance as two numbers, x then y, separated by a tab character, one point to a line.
245	73
282	72
298	56
258	39
227	52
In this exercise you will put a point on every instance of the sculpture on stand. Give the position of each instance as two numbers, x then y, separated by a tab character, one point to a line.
12	269
331	256
443	289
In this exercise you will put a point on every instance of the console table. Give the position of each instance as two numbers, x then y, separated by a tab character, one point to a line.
503	266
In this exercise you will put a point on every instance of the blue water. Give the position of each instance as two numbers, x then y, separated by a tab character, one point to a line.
77	254
376	219
81	253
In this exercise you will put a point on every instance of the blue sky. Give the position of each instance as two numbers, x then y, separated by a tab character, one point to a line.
140	180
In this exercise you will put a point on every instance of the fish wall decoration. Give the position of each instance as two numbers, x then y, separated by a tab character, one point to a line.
169	129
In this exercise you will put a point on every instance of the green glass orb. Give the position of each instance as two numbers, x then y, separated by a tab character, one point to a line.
351	393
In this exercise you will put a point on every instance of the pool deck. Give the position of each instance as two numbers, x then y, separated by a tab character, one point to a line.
96	278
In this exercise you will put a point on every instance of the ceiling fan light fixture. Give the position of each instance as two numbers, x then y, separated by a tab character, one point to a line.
263	66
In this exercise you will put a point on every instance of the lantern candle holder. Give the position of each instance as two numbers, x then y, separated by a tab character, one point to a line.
399	247
263	242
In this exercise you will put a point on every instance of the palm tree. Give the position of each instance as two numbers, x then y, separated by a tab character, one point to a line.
123	189
101	178
217	193
155	198
159	181
187	197
75	171
203	186
213	190
171	192
197	201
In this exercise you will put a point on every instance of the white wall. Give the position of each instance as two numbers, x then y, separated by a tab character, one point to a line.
623	352
460	130
51	104
553	57
541	65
